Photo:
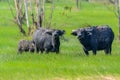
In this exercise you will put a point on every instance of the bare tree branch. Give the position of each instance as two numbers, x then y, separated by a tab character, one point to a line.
19	18
27	18
11	8
51	14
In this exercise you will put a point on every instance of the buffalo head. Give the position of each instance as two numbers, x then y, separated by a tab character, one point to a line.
81	33
55	33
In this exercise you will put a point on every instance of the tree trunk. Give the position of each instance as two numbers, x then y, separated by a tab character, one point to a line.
115	3
51	14
118	10
18	17
43	13
38	12
77	4
27	18
31	8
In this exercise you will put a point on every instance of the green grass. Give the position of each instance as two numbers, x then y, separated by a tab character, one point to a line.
71	63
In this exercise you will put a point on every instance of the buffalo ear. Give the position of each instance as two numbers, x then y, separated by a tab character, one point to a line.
49	32
74	33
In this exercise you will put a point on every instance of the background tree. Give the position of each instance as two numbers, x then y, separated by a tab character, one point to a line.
26	7
19	16
22	13
77	3
51	14
118	12
26	14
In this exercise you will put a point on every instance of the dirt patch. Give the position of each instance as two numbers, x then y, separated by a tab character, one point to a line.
108	78
88	78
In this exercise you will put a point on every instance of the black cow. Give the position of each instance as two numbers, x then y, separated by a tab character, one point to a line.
25	46
95	38
47	40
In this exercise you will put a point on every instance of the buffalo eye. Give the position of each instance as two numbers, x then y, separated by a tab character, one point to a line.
89	33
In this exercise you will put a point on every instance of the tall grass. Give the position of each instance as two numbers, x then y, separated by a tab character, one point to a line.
71	63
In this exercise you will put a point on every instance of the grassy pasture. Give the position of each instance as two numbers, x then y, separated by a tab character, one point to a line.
71	63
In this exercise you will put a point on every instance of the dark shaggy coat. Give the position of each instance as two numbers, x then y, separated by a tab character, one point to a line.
25	45
47	40
95	38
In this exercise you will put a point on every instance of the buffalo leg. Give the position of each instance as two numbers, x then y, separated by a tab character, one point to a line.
110	50
86	52
57	51
47	51
41	51
106	51
94	51
37	49
19	51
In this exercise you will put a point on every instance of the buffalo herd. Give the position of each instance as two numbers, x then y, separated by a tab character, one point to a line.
91	38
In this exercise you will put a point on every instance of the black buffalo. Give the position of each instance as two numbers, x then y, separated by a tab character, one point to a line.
25	46
47	40
95	38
